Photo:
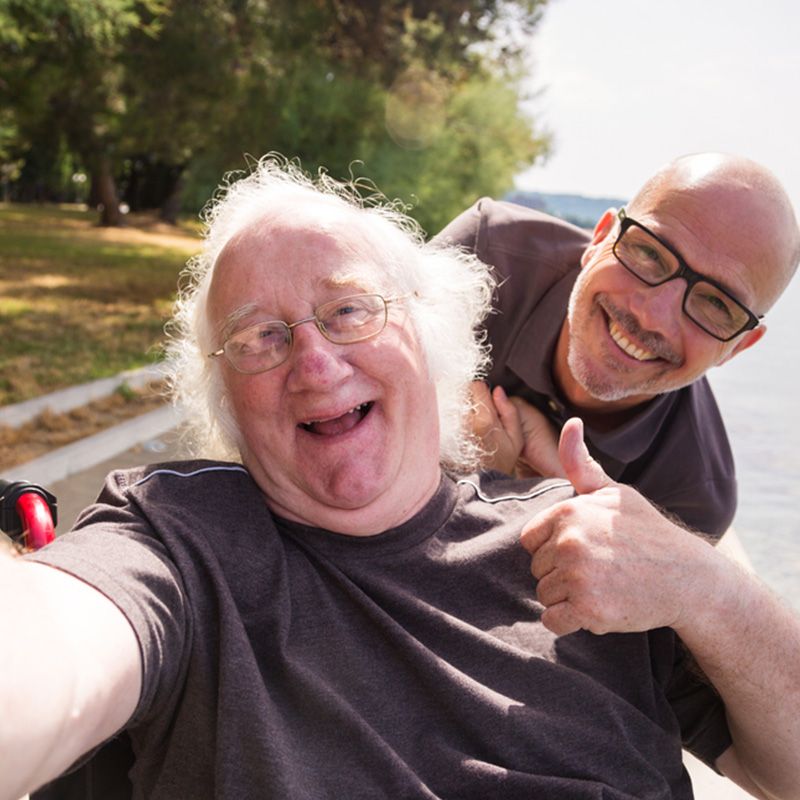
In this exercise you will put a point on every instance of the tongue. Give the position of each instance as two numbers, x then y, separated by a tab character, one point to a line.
332	427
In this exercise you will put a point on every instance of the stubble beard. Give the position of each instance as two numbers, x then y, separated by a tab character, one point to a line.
609	381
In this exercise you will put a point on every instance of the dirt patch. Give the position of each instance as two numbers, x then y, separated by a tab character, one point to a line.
49	431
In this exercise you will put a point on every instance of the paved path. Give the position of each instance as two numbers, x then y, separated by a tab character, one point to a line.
80	488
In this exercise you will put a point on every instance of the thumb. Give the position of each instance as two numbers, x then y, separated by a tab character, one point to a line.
581	470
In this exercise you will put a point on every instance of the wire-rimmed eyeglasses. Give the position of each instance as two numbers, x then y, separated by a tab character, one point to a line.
709	305
267	345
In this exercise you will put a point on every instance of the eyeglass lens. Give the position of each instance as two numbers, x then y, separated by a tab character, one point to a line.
268	344
709	306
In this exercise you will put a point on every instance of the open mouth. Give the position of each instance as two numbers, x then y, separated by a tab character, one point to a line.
627	346
338	425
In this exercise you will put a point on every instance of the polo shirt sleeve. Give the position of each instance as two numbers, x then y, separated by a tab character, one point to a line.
687	467
707	506
463	230
699	710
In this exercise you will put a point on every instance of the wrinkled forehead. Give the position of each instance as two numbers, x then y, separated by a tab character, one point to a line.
277	264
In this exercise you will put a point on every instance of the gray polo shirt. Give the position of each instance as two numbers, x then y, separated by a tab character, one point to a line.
675	449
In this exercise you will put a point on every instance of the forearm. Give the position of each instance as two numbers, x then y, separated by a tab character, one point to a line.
607	561
747	642
70	673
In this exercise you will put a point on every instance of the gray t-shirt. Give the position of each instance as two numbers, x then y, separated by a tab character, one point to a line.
290	662
674	450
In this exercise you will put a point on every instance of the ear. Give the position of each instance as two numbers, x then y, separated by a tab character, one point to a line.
603	227
748	340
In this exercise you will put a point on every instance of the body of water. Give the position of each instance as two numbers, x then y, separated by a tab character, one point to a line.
758	393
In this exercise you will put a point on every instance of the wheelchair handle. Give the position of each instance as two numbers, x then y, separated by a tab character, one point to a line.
28	513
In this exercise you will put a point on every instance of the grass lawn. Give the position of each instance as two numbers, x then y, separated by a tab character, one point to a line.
79	302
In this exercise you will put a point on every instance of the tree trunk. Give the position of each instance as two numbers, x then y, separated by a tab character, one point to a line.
171	206
108	200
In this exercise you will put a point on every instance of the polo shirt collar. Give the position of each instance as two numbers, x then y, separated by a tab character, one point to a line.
532	352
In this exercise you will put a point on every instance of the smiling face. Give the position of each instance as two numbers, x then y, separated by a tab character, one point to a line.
624	341
343	437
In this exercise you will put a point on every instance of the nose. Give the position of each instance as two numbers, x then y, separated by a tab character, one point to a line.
315	363
660	308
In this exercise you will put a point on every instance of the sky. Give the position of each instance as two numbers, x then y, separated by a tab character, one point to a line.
626	85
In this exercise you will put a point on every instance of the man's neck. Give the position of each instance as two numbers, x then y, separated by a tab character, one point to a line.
387	511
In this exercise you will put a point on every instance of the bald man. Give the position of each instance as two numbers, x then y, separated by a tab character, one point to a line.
619	327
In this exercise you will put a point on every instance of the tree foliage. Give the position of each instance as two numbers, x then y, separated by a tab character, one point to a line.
63	78
422	97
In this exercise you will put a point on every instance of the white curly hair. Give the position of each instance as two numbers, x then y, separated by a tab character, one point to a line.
452	293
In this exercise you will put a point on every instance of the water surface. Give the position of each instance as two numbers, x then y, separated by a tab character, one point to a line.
758	393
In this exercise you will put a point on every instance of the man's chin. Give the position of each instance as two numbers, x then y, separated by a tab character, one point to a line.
347	495
601	387
603	392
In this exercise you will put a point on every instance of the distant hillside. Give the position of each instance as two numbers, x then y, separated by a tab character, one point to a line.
575	208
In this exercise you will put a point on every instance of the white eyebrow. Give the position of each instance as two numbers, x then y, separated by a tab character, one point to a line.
344	280
236	316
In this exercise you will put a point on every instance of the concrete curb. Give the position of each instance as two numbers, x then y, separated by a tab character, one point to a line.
76	396
85	453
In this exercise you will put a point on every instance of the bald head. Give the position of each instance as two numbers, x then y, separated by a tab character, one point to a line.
742	209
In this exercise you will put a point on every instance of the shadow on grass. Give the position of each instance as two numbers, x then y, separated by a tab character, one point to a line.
78	302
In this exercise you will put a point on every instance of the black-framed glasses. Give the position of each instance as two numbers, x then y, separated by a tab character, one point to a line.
705	301
267	345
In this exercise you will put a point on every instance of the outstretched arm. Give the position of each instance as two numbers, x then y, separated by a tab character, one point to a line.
71	672
607	560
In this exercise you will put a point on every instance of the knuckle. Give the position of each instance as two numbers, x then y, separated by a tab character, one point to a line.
544	593
571	546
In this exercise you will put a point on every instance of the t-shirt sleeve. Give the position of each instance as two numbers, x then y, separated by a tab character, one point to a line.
114	549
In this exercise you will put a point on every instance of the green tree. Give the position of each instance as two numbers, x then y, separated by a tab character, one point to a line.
475	146
63	78
184	86
157	91
422	97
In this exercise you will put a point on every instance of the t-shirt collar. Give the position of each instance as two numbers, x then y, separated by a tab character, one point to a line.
423	524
